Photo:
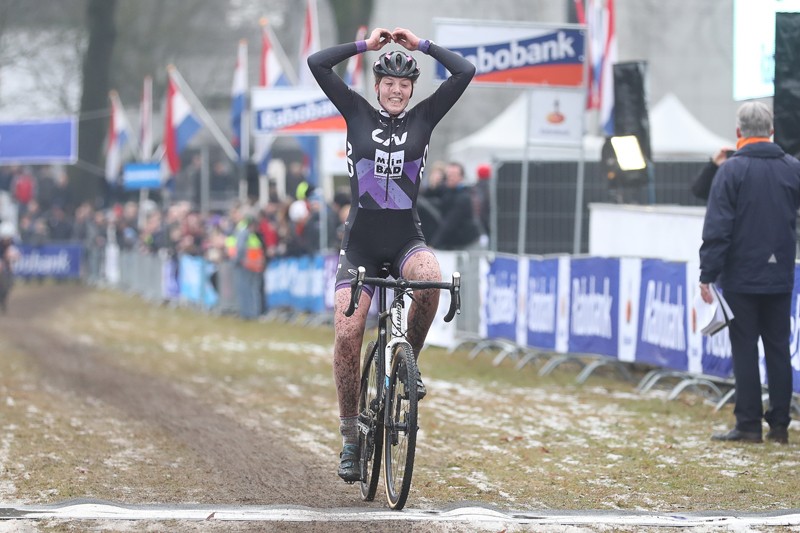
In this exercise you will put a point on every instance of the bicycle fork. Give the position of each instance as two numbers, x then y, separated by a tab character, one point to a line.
397	326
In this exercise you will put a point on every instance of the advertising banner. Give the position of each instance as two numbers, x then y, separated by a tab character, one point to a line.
500	301
662	314
515	53
557	116
444	333
594	305
60	261
630	275
298	283
39	142
330	261
562	319
542	303
795	338
170	287
194	281
137	176
293	111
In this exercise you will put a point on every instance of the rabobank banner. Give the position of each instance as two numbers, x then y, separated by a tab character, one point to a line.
542	303
662	338
594	314
500	298
294	111
298	283
60	261
516	53
194	281
795	338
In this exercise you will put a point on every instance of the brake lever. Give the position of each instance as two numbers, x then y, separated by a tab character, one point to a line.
455	298
356	285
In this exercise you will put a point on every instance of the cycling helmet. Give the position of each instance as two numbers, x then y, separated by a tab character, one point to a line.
396	64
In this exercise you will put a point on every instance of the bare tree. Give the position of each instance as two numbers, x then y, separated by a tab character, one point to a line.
350	14
86	178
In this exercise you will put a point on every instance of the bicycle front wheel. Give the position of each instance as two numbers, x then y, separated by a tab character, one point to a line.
370	424
400	433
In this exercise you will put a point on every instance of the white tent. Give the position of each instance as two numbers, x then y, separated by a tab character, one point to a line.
503	139
674	132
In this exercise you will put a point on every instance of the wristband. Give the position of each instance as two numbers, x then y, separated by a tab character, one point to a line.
361	46
424	45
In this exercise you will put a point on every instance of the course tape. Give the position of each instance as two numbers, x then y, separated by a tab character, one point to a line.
93	510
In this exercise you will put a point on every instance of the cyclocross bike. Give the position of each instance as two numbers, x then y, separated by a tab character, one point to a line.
387	405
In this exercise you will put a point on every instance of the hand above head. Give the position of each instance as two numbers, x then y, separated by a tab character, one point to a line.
406	39
379	38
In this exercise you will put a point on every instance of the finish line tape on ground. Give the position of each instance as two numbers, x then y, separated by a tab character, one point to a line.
469	515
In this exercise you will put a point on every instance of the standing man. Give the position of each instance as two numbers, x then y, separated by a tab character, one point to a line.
458	228
251	260
749	246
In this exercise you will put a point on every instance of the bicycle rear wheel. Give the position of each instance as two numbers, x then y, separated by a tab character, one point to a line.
370	424
400	434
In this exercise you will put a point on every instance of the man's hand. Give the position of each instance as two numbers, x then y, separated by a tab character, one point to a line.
406	39
379	38
705	293
722	155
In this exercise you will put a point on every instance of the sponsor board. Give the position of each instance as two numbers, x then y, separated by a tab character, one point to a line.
293	111
508	53
45	142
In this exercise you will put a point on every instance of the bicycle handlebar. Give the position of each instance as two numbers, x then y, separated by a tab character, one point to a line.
454	286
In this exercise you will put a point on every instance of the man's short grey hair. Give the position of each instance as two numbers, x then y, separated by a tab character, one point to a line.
754	119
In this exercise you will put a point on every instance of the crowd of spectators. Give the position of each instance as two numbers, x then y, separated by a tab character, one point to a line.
288	226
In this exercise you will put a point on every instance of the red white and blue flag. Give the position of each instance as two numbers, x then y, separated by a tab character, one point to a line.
354	75
274	72
602	56
180	125
309	43
118	138
238	99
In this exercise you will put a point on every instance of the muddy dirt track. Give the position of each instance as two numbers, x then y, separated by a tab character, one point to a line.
242	466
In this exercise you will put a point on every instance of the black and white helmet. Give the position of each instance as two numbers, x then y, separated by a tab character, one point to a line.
396	64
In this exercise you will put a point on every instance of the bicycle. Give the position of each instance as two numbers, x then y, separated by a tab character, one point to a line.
387	408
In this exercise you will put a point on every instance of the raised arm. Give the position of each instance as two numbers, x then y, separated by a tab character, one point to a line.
461	70
321	64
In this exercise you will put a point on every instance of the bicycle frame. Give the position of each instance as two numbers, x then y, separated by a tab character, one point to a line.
395	333
388	410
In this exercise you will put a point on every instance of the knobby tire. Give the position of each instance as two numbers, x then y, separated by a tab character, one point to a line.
371	417
400	433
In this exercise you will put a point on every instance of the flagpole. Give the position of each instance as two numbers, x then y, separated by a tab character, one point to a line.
244	133
146	133
283	59
208	121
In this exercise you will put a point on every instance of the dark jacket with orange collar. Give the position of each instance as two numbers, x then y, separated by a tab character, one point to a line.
749	233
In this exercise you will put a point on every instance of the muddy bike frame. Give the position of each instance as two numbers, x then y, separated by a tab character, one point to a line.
387	410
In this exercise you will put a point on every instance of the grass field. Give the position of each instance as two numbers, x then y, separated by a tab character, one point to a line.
488	434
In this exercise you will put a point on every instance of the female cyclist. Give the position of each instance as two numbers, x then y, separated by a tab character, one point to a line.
386	152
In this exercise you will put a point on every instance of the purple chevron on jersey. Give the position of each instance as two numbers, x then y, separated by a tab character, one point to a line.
375	187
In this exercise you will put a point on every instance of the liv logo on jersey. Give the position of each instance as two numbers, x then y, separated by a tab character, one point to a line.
389	164
553	58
